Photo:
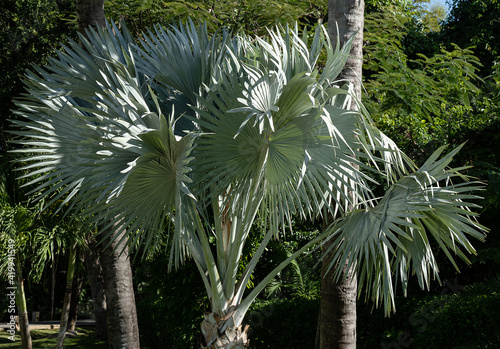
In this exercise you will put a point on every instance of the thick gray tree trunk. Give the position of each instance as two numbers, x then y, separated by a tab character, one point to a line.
119	301
90	13
348	16
337	317
123	329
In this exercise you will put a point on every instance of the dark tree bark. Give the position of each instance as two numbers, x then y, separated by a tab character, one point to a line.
337	317
96	279
75	292
90	13
67	298
123	330
115	293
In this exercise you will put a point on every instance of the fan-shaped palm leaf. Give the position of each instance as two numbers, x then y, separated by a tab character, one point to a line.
394	236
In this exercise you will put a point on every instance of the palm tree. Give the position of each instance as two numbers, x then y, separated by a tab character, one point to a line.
29	235
109	269
17	227
211	133
337	315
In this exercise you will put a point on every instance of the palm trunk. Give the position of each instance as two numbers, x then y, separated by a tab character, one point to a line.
215	335
75	298
67	298
348	16
230	338
123	329
93	266
90	13
337	318
22	309
52	282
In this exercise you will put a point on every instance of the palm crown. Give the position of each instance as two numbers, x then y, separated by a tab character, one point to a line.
189	123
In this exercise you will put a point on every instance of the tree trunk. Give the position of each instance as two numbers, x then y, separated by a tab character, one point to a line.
90	13
52	282
75	296
337	317
96	279
348	16
22	309
67	298
230	338
119	302
123	330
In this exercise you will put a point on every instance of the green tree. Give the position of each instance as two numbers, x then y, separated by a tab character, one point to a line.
31	238
337	315
416	101
210	133
17	227
433	18
372	6
30	31
250	17
475	23
28	246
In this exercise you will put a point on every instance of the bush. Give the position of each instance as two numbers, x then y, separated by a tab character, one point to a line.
467	320
169	307
283	323
464	320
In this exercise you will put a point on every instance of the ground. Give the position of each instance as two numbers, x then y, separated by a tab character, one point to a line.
48	338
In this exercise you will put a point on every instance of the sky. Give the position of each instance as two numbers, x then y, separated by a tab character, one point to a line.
440	2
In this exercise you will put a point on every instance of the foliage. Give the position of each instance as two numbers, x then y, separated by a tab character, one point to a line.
419	100
284	323
29	32
253	17
475	23
433	18
455	316
466	320
428	101
373	6
264	132
250	17
169	307
140	15
298	280
38	235
383	33
41	238
294	292
450	106
427	16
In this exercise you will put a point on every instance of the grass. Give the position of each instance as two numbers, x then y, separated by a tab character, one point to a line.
48	339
